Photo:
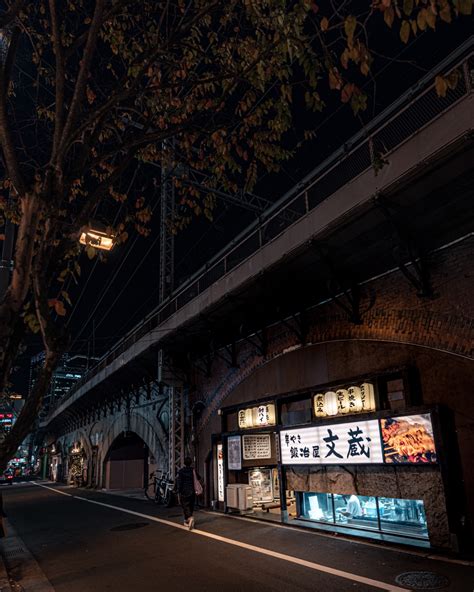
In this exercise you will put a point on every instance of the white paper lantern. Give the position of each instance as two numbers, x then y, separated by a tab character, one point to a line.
367	396
342	402
330	403
355	400
245	418
319	405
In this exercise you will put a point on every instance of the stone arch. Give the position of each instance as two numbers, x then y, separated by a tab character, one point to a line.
142	427
82	436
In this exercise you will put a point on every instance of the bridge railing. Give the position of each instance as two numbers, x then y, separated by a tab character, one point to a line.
405	117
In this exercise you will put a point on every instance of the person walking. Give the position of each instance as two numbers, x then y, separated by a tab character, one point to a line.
187	487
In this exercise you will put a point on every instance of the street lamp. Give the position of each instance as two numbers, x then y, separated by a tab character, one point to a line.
97	239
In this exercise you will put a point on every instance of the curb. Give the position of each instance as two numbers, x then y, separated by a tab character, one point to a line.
4	581
15	554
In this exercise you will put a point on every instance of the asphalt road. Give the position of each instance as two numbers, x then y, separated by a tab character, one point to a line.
84	545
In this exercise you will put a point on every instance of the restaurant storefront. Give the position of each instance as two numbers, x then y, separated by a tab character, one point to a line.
357	457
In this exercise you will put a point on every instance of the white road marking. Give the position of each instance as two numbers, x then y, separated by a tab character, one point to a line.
260	550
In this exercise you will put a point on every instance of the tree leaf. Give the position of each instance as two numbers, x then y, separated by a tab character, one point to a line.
421	19
465	7
388	16
346	92
350	25
405	31
335	81
60	308
441	86
91	252
408	7
431	19
324	24
65	295
452	79
445	13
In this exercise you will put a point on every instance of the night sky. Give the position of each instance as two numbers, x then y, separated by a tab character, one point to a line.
114	296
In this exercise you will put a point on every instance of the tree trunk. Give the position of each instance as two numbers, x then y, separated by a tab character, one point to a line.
29	413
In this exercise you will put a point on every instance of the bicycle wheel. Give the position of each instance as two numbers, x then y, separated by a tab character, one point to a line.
149	491
158	496
167	499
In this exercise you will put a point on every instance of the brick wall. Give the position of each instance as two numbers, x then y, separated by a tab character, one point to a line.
436	336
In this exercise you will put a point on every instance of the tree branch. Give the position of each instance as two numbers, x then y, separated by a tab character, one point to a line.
7	17
83	74
6	139
59	78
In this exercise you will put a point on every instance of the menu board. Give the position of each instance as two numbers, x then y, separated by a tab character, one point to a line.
261	482
257	447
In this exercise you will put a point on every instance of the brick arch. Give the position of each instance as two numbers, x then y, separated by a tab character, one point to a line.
448	334
443	332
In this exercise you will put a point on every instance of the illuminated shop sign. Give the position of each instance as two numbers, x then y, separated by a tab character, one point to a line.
340	444
353	399
257	417
220	473
408	439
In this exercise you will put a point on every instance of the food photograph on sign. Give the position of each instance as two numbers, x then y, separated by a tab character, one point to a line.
408	439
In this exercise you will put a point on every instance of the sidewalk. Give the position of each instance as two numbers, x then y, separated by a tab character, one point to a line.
19	571
130	493
4	581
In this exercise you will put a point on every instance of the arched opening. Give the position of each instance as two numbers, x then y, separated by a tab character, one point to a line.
126	462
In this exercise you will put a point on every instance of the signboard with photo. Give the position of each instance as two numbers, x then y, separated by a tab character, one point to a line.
408	439
234	453
261	483
257	447
338	444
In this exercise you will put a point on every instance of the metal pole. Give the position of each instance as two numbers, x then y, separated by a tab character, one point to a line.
167	209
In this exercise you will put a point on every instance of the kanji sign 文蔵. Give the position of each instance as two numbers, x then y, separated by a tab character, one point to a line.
343	443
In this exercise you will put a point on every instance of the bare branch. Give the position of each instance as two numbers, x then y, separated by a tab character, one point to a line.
6	139
59	77
80	87
7	17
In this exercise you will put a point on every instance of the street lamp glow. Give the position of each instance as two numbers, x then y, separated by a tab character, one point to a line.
97	239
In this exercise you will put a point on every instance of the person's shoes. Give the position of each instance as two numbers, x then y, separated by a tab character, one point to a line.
191	523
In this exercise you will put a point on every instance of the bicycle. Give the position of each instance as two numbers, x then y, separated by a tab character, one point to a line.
162	491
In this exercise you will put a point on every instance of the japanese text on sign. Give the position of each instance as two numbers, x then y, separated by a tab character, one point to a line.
256	447
220	473
256	417
341	444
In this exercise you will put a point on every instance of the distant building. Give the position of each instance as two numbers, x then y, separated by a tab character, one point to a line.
69	370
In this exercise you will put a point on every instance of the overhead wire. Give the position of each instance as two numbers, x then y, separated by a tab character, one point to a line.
107	287
76	303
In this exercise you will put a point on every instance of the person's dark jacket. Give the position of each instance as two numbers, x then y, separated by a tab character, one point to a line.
185	481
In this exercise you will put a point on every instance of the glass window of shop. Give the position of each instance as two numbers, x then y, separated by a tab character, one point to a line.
387	515
296	412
